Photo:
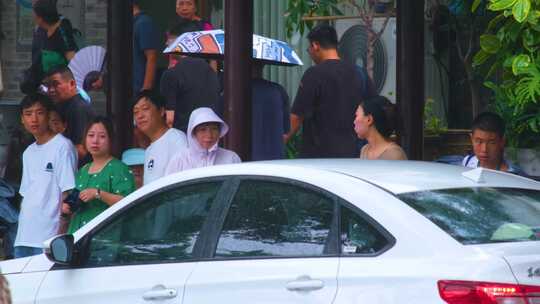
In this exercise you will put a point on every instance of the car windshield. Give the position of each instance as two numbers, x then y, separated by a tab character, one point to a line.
481	215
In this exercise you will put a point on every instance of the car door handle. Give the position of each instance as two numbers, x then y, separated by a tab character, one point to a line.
159	294
305	284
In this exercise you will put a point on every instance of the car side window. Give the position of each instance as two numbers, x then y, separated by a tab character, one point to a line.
358	236
162	228
275	219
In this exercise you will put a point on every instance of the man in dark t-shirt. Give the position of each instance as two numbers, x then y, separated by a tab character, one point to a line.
326	100
189	83
62	89
269	116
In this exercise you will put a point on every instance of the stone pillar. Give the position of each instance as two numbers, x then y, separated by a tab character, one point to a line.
238	54
410	75
119	50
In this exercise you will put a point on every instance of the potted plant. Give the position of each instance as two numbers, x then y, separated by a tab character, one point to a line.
510	57
433	127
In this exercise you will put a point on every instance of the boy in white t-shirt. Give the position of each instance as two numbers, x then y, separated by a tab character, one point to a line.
148	112
49	166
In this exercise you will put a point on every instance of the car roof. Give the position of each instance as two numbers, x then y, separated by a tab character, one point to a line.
407	176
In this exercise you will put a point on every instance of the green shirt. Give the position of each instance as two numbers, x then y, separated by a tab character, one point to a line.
115	178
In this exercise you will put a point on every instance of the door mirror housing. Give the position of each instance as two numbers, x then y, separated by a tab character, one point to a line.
60	249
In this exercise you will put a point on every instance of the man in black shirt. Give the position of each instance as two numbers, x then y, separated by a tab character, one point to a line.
326	100
62	89
189	83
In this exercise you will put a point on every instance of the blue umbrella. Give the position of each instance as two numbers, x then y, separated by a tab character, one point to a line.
211	44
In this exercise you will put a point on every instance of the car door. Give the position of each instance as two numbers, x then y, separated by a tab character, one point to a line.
276	244
367	274
141	255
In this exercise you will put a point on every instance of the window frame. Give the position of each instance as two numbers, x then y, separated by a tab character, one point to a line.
331	245
81	247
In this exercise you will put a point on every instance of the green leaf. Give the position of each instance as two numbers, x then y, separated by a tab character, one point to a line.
493	69
535	27
490	43
513	31
531	40
480	58
490	85
520	64
533	17
521	10
493	22
475	5
533	124
507	63
499	5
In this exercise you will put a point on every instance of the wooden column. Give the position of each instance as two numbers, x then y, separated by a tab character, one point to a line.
119	67
238	54
410	75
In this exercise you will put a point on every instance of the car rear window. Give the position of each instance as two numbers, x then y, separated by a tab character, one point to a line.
481	215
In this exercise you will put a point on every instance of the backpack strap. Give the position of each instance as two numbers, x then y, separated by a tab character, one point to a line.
468	159
64	34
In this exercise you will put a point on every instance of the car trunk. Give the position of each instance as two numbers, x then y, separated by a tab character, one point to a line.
522	257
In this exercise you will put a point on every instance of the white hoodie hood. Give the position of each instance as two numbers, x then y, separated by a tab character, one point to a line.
198	117
196	156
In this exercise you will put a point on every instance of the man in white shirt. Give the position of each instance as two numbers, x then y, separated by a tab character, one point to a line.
148	112
488	142
49	166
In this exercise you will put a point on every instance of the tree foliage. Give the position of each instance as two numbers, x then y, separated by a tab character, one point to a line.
510	48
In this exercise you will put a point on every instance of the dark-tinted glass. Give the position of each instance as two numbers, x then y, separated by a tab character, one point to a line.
358	236
276	219
481	215
165	227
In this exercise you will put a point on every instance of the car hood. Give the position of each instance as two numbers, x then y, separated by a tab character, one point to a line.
14	266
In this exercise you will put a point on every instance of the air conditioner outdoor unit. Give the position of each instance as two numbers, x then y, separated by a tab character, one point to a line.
352	37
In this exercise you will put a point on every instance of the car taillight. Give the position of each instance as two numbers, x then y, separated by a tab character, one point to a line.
468	292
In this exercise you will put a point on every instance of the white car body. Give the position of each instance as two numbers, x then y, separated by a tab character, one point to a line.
407	272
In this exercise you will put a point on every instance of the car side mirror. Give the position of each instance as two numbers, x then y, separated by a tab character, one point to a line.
60	249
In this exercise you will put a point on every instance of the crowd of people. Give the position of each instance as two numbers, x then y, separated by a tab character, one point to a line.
70	174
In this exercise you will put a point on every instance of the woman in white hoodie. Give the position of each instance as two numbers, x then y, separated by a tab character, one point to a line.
205	129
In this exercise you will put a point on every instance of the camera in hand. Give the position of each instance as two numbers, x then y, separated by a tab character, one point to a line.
73	200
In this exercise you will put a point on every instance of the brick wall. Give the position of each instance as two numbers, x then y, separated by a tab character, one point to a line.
15	60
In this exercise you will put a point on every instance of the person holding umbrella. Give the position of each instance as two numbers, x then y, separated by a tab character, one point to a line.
189	83
270	101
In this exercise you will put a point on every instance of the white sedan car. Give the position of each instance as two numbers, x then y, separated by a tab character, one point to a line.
306	231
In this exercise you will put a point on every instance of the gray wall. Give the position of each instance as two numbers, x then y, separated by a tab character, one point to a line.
15	51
